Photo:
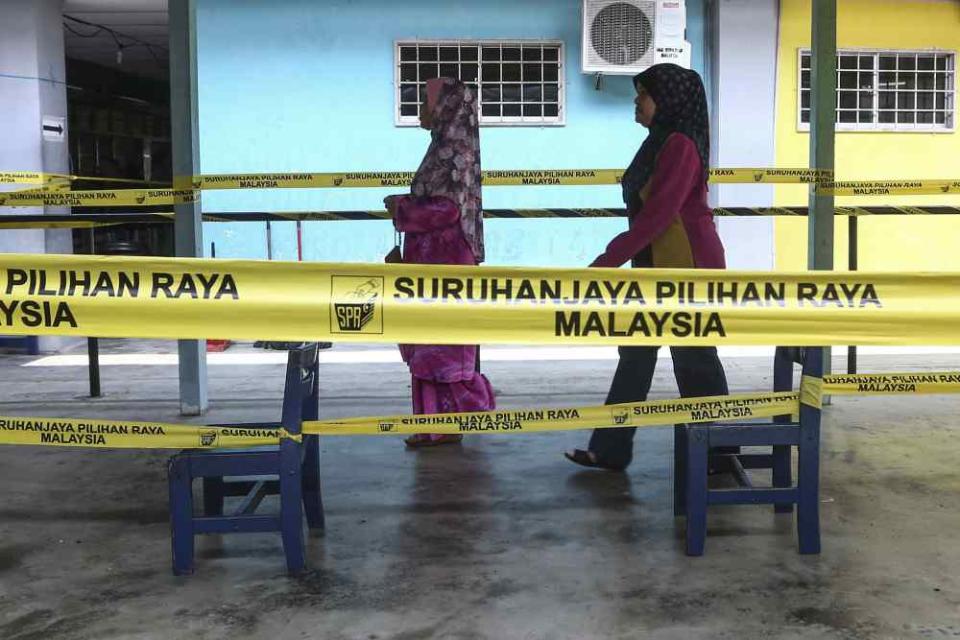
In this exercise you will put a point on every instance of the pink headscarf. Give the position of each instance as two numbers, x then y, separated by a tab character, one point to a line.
451	166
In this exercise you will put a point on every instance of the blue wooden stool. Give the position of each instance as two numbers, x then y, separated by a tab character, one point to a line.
291	470
693	459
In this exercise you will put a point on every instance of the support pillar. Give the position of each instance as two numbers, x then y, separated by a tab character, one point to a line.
188	227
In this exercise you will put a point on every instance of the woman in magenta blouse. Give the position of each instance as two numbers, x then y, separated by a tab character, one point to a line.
671	226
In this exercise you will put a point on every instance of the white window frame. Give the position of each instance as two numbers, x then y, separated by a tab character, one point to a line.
876	125
487	121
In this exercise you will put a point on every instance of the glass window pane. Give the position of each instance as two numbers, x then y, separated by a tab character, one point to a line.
468	53
926	63
428	53
511	110
408	72
531	54
848	99
804	79
532	110
906	117
408	93
551	73
888	100
906	81
551	110
941	81
491	93
906	100
491	110
491	72
511	53
805	61
848	116
848	62
866	80
925	117
551	53
906	62
866	62
888	80
865	117
925	100
940	117
408	53
941	101
551	93
532	93
491	53
942	63
848	80
888	117
866	100
805	100
888	63
468	72
408	110
532	72
805	116
511	72
926	81
428	71
450	70
511	93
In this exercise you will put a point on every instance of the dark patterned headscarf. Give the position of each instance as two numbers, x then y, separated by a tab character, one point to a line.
681	108
451	166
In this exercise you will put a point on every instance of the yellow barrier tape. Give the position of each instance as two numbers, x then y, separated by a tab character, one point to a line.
811	391
417	304
27	177
769	176
893	383
891	188
104	198
494	178
113	434
638	414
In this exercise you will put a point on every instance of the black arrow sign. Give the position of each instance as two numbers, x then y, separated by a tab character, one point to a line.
58	128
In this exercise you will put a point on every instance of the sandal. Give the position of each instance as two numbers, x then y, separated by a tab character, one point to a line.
584	459
426	440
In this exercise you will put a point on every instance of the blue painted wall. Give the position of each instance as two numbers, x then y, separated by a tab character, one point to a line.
301	85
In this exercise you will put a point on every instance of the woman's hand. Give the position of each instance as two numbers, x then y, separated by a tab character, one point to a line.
390	202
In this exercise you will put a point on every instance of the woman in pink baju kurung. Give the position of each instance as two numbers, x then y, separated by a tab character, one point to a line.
442	221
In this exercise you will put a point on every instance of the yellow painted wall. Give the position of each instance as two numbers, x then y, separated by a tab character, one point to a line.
886	243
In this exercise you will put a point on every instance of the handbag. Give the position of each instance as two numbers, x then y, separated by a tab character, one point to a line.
395	255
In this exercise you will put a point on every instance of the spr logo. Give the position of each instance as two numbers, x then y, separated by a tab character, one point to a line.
620	416
386	427
337	181
208	438
758	176
356	304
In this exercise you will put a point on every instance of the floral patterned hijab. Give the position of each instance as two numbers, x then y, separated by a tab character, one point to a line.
451	166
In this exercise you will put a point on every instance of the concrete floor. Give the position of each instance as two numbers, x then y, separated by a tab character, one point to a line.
499	538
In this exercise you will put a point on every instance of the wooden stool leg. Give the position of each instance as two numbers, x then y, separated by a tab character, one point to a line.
808	481
181	515
782	475
312	497
679	469
696	489
291	506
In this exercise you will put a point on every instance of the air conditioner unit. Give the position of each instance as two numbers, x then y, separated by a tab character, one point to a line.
628	36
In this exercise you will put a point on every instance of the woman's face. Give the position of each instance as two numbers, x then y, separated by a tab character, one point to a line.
426	115
646	107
